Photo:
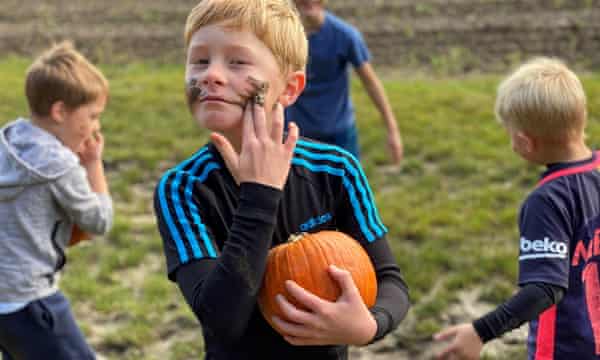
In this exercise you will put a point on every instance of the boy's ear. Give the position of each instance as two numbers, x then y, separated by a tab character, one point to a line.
58	110
525	142
293	88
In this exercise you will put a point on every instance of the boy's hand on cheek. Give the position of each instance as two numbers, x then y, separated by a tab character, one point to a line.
92	149
263	158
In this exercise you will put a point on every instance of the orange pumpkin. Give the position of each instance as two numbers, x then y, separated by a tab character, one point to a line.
305	259
78	235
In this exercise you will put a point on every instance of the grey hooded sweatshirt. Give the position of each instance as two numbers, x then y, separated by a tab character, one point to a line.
44	191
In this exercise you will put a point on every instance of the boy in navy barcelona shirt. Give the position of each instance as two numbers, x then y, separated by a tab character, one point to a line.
220	211
543	107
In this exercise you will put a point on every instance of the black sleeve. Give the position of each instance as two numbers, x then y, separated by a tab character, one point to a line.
222	292
525	305
392	301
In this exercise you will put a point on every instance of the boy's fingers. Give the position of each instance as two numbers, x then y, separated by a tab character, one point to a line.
304	297
344	280
225	149
445	334
292	313
248	132
446	352
260	122
98	135
277	123
292	137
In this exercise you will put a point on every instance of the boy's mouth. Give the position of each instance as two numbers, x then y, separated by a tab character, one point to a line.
256	94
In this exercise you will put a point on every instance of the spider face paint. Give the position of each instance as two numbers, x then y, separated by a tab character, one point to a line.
259	89
193	91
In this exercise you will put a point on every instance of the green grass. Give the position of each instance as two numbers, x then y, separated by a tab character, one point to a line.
451	208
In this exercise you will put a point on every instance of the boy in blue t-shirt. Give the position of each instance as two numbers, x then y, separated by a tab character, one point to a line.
324	110
543	107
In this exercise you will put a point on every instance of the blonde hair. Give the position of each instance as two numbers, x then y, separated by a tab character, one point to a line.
275	22
62	74
543	98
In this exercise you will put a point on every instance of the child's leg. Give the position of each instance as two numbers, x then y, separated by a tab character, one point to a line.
43	327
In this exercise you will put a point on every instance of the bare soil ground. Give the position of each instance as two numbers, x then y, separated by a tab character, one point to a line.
448	36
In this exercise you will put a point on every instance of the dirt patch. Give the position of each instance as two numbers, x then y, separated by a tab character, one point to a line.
446	36
468	307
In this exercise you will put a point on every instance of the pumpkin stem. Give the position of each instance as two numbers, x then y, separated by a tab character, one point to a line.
296	237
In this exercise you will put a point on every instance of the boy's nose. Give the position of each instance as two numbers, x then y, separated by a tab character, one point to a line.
213	74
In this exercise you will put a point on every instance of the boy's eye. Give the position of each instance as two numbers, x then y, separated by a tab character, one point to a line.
239	62
200	61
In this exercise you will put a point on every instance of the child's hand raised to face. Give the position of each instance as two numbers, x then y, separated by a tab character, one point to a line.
92	148
263	157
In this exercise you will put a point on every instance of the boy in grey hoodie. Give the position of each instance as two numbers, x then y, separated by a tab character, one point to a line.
52	184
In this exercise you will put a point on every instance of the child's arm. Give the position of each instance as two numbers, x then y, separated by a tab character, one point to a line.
376	92
83	193
91	159
327	323
468	339
526	305
222	291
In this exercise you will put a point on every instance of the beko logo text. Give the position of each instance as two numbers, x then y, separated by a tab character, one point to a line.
535	249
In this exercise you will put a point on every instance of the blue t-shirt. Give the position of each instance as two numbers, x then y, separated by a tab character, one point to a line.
324	108
559	227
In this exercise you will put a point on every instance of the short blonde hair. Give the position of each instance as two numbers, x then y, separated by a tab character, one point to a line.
62	74
275	22
543	98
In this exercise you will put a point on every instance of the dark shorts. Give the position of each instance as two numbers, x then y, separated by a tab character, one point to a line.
44	329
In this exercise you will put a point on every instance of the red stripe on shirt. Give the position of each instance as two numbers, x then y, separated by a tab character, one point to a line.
545	335
574	170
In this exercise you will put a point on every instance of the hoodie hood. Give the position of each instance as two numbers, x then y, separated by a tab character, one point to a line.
30	155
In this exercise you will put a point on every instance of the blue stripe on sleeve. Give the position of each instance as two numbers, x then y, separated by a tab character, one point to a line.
349	187
183	256
361	182
194	209
178	206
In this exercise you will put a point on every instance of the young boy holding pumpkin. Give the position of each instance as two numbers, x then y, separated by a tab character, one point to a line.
220	211
543	108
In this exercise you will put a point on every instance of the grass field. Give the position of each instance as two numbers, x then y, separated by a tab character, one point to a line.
451	208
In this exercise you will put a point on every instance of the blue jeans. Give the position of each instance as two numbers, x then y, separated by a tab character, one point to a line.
44	329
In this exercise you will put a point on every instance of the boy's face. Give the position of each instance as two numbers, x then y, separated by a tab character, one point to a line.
309	9
80	123
221	60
